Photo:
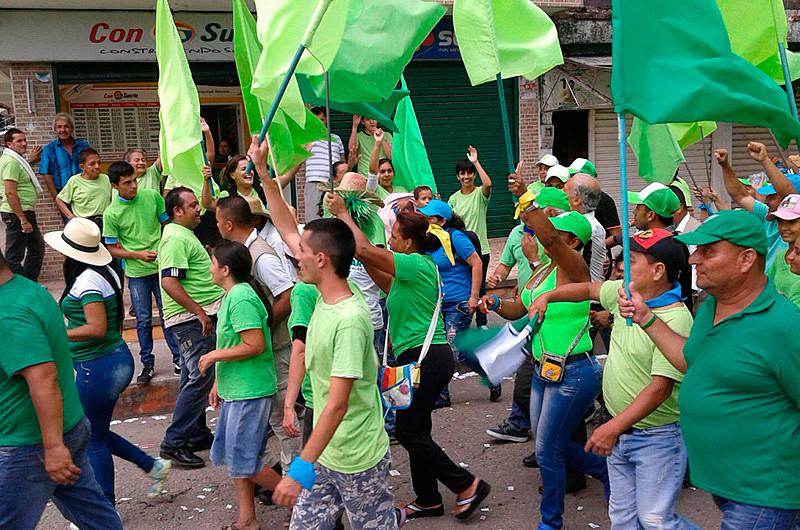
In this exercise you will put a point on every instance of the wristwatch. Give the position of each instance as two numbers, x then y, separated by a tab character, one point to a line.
531	207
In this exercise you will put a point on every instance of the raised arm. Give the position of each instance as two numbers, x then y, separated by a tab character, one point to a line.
758	152
735	188
374	157
209	202
211	150
486	182
352	144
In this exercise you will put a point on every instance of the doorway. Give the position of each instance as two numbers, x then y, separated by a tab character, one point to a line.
570	135
224	121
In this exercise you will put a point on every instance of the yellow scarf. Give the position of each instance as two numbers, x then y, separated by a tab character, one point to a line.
443	236
524	201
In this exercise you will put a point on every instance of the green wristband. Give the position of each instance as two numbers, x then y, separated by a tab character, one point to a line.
650	322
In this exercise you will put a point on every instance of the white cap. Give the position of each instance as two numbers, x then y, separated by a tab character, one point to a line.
557	171
548	160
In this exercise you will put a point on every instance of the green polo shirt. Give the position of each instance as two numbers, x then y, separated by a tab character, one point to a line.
740	402
10	169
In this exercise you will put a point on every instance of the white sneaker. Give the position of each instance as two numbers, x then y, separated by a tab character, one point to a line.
73	527
159	475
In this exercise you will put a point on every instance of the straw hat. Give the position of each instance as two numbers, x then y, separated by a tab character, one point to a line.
80	240
256	208
354	183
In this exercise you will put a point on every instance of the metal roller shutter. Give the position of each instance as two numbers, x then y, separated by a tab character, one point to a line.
742	135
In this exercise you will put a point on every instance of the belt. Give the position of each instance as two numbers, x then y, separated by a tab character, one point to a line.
585	356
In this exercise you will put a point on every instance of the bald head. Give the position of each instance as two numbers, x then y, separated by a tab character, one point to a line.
583	192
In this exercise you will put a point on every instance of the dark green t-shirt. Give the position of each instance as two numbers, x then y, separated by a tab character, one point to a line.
303	299
33	333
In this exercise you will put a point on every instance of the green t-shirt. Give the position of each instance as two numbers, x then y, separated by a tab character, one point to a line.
786	282
512	254
151	180
365	144
10	169
250	378
91	287
181	251
740	402
412	301
303	299
633	359
339	344
472	209
382	192
85	197
33	333
136	225
225	193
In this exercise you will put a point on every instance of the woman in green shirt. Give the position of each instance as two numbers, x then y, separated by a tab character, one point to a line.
246	383
409	276
570	381
92	304
233	180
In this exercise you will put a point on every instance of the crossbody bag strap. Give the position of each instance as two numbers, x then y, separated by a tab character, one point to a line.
574	343
386	343
434	320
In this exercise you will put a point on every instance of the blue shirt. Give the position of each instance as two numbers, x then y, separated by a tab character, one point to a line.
456	279
57	161
774	242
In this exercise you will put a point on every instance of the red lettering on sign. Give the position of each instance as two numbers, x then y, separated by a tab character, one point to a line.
99	33
94	33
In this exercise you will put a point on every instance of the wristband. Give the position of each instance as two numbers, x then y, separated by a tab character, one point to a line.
650	322
302	472
496	303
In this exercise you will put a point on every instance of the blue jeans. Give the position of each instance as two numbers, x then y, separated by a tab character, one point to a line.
142	292
517	418
26	488
740	516
100	382
556	409
189	416
457	318
646	470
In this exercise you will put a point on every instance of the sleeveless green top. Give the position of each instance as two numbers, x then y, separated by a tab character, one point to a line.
563	322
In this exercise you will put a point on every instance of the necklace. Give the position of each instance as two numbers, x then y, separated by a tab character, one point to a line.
343	297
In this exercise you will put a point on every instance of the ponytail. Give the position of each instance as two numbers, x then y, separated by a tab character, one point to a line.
414	226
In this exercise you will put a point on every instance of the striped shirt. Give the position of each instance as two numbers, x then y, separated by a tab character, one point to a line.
317	167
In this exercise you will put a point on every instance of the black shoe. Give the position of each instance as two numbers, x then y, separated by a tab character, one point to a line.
495	394
203	444
176	368
146	375
507	433
530	461
442	402
183	457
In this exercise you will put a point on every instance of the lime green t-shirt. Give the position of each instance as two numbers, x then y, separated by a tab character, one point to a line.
10	169
786	282
472	208
151	180
224	193
33	333
136	225
87	198
512	254
250	378
633	359
339	344
365	144
412	301
303	299
181	251
382	192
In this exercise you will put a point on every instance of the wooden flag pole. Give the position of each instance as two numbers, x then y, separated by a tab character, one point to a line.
623	189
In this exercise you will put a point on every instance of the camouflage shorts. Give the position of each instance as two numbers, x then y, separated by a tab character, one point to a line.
365	497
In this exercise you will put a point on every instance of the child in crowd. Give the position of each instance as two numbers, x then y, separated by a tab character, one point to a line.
364	141
246	383
422	196
87	194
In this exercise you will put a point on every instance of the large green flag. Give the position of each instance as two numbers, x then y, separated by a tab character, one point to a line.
510	37
380	40
687	134
286	136
656	149
755	27
180	136
691	74
281	27
409	156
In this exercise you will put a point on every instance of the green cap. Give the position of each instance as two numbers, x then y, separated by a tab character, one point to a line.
658	198
574	223
553	197
684	187
735	226
581	165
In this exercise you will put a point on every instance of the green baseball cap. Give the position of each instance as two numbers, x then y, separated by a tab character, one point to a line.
735	226
658	198
574	223
582	165
553	197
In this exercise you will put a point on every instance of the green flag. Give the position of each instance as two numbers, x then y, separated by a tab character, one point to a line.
510	37
286	136
755	27
409	156
687	134
380	40
656	149
281	26
180	136
692	74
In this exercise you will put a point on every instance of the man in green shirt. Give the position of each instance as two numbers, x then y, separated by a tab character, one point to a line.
24	242
191	302
345	463
740	396
363	142
43	432
471	204
132	231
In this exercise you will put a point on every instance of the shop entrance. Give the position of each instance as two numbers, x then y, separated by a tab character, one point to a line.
224	121
571	135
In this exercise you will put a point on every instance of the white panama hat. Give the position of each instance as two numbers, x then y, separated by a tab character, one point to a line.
80	240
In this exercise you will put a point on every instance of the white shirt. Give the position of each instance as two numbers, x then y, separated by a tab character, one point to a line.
370	290
598	243
681	229
271	235
318	168
269	270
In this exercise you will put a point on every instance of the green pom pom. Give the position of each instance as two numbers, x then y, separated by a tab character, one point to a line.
358	207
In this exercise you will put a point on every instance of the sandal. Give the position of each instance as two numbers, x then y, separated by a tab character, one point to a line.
232	526
415	511
473	502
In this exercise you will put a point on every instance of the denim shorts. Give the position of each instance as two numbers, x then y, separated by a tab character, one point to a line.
241	432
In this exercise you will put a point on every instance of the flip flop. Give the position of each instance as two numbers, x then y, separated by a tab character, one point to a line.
415	511
473	502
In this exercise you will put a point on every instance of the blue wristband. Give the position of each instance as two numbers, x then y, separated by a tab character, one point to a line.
495	302
303	472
